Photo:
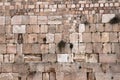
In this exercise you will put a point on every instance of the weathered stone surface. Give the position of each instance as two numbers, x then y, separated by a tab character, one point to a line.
107	17
32	38
74	38
50	38
105	37
33	29
44	48
2	20
33	19
64	57
87	37
106	48
113	37
32	58
2	38
59	40
49	58
16	20
19	29
96	37
92	58
97	48
11	48
42	19
107	58
54	19
44	28
81	27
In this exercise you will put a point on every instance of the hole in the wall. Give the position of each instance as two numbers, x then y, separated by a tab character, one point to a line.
44	40
80	67
19	78
112	77
71	45
86	22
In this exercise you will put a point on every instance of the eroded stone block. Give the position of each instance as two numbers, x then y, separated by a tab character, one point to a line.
64	57
107	17
19	29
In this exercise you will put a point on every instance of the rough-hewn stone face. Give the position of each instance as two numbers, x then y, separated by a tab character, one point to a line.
59	39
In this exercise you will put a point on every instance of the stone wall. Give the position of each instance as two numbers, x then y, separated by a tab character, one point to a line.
60	39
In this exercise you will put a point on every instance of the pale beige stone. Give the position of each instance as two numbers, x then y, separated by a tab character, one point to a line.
32	58
79	57
82	48
50	38
92	58
105	37
16	20
32	38
44	48
58	37
2	48
75	48
42	19
11	48
44	28
12	57
2	20
74	37
107	48
52	48
107	58
49	57
6	58
81	27
1	57
107	17
33	19
64	57
19	29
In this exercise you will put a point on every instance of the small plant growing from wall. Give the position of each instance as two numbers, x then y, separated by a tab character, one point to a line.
61	45
44	40
86	22
115	20
20	39
71	45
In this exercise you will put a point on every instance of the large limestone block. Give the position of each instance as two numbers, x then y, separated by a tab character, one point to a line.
92	58
107	58
105	37
64	57
50	38
20	20
74	37
19	29
107	17
42	19
54	19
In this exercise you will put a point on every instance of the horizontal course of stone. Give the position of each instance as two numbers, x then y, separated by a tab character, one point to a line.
59	39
